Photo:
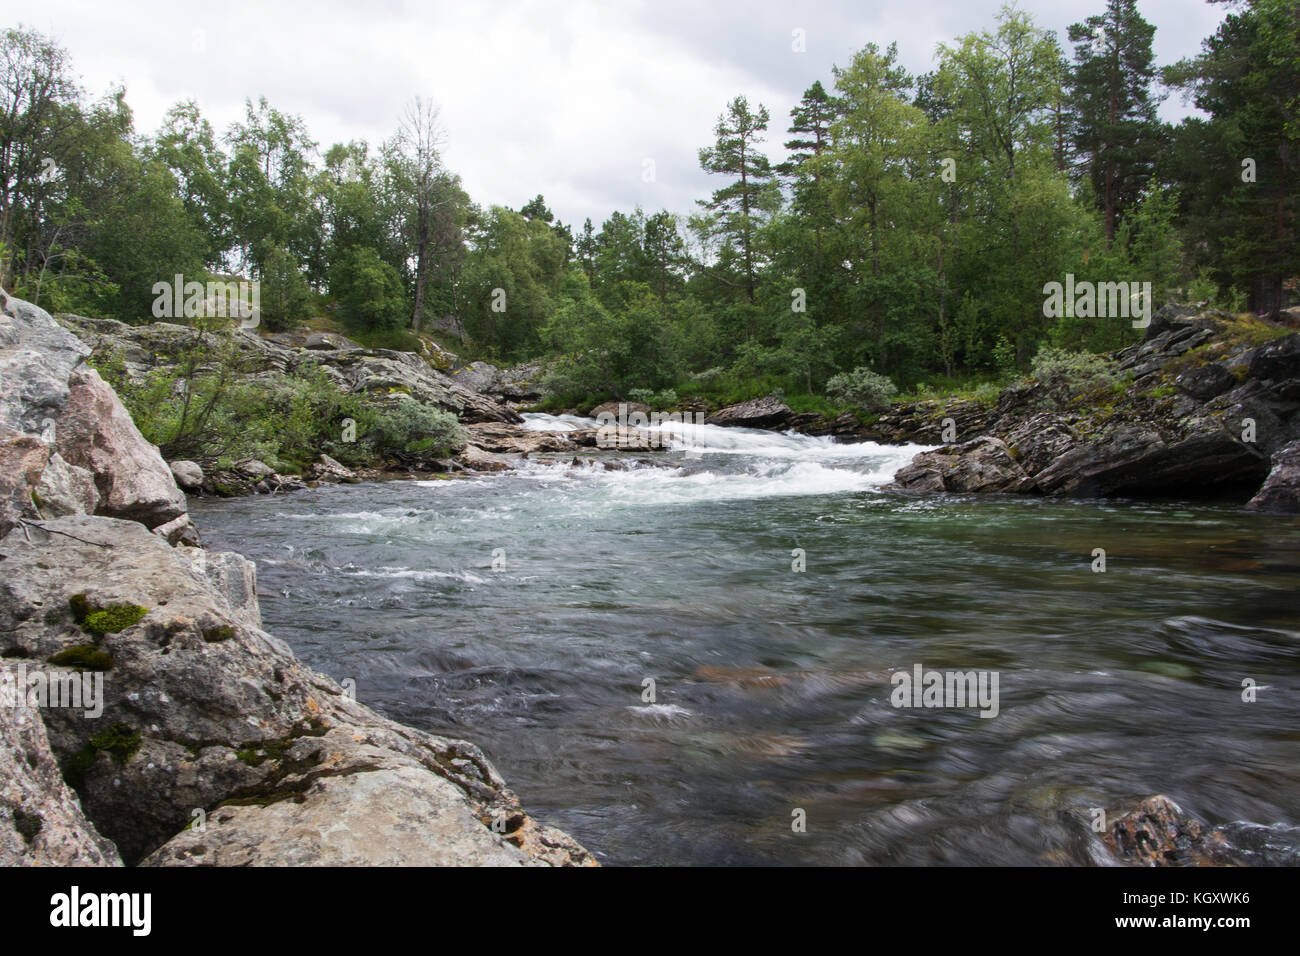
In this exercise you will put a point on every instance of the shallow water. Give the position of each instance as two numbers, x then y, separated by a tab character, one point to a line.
772	688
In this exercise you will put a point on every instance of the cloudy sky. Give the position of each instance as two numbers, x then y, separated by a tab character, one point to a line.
571	98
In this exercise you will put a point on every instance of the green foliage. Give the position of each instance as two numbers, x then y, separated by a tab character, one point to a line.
369	290
1063	374
283	293
411	428
862	387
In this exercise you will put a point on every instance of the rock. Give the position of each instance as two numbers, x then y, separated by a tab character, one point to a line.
37	358
1157	833
255	469
329	470
1280	493
1277	361
188	474
95	432
374	815
767	412
982	464
1133	460
477	376
41	822
328	341
205	711
476	459
179	531
1206	382
22	463
500	438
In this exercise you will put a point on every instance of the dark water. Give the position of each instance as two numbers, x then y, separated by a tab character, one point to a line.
772	688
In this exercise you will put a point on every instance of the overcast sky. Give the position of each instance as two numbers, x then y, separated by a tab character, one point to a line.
567	98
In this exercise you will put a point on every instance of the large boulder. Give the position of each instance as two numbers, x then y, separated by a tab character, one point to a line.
511	439
982	464
766	412
95	432
41	822
1281	490
204	711
67	444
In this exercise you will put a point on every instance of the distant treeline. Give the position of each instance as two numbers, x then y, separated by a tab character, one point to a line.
910	231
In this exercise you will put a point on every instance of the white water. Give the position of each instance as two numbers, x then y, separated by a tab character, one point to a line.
712	463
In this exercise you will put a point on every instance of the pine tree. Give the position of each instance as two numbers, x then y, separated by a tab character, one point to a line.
736	207
1116	131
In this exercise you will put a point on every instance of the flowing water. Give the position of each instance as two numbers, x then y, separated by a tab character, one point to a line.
525	611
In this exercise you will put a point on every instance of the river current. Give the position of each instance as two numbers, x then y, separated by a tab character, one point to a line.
690	661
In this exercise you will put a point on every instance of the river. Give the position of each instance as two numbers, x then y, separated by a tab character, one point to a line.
527	611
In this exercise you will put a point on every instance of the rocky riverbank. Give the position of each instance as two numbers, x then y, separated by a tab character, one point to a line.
207	742
1200	408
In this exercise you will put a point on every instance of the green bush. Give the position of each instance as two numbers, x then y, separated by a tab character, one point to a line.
412	428
1063	373
863	388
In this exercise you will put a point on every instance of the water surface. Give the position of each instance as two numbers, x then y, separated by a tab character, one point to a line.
525	612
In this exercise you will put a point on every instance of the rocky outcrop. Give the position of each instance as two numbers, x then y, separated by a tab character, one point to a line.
383	375
1281	490
519	384
510	439
41	822
766	412
982	464
1158	832
1196	412
67	444
205	711
211	743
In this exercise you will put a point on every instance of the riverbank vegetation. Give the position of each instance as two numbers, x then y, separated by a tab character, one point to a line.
901	240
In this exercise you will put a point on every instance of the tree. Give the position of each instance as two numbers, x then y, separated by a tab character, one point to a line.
422	185
1114	112
1239	167
736	207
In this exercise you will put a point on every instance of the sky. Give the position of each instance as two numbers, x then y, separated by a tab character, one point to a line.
597	106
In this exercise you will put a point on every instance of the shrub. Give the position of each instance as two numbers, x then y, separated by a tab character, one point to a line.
861	387
1063	373
412	428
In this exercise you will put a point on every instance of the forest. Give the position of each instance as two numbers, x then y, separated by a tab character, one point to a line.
896	231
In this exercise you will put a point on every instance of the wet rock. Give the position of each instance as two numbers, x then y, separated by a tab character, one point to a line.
766	412
982	464
1280	493
476	459
1157	833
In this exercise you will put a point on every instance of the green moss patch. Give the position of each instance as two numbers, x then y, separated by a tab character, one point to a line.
86	657
116	617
